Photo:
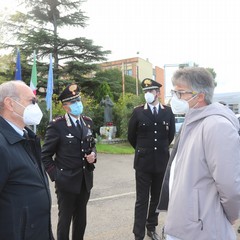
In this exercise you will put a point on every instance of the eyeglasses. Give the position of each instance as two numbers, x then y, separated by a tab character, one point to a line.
34	100
180	92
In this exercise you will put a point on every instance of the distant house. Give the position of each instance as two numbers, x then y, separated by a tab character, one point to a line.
137	68
232	100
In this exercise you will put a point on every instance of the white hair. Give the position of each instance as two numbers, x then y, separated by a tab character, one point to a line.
9	89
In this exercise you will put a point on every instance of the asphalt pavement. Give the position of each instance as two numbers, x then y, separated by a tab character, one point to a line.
111	205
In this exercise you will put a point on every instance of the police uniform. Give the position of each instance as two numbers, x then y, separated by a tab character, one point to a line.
150	136
63	155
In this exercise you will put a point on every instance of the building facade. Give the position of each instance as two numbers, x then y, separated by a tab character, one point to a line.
139	69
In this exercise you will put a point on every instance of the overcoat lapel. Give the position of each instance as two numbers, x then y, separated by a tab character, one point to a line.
85	128
147	111
161	114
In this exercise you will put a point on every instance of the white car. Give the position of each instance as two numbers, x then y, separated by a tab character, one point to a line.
178	123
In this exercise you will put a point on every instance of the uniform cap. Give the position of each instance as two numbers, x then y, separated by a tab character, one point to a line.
71	92
148	84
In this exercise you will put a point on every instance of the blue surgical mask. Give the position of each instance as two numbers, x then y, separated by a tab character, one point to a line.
76	108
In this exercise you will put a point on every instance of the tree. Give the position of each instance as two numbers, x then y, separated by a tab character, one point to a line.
6	68
211	70
103	90
38	29
113	77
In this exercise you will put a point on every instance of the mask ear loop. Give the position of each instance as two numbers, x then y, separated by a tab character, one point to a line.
192	99
18	103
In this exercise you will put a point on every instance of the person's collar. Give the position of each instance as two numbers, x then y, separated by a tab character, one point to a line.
74	119
16	128
152	106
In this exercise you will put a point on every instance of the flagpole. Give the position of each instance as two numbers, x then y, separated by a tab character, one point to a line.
33	82
50	118
50	88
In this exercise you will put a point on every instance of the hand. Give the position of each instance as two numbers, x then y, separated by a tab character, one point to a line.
90	157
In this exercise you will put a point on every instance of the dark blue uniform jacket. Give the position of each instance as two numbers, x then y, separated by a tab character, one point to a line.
151	137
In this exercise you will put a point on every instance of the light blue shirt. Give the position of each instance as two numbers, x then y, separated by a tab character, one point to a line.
75	119
152	106
17	129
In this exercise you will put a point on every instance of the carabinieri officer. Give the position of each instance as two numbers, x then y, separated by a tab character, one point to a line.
69	154
151	129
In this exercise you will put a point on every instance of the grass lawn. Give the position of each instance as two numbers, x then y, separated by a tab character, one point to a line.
118	148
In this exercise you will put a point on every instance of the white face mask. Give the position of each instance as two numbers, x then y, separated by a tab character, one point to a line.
32	114
149	97
180	106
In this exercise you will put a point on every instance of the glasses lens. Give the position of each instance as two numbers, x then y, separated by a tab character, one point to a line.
176	93
173	92
34	100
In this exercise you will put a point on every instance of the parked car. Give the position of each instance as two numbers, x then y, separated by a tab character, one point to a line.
178	123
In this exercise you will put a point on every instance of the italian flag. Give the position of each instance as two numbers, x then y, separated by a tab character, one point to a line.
33	82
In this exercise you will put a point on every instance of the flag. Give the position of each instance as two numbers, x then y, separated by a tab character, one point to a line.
18	70
33	82
49	85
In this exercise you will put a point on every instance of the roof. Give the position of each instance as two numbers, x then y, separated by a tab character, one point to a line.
229	98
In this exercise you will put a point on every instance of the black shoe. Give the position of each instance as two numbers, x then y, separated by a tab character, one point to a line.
238	229
153	235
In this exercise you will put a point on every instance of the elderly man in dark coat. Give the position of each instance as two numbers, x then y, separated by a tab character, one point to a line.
25	201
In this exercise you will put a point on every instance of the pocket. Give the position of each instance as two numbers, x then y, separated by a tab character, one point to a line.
68	141
69	180
194	206
140	152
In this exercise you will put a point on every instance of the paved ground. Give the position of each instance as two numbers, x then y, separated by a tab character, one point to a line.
111	206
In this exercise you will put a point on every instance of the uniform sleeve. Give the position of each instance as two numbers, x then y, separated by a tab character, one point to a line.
132	129
49	148
222	150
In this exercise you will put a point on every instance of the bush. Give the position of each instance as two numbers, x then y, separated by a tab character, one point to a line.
122	111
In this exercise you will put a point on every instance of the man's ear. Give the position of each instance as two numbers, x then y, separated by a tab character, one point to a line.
65	107
8	103
201	97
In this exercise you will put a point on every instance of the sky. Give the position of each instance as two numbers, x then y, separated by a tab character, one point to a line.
166	32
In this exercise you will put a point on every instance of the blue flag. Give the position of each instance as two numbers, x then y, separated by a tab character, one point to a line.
18	71
49	85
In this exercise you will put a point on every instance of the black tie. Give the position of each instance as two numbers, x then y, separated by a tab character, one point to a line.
155	112
25	134
78	125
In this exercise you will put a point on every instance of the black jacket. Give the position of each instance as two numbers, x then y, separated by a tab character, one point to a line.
151	137
164	194
63	153
25	201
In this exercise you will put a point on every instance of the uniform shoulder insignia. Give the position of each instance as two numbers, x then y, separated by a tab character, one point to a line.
59	118
139	106
86	118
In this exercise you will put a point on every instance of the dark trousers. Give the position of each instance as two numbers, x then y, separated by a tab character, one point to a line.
72	207
147	185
